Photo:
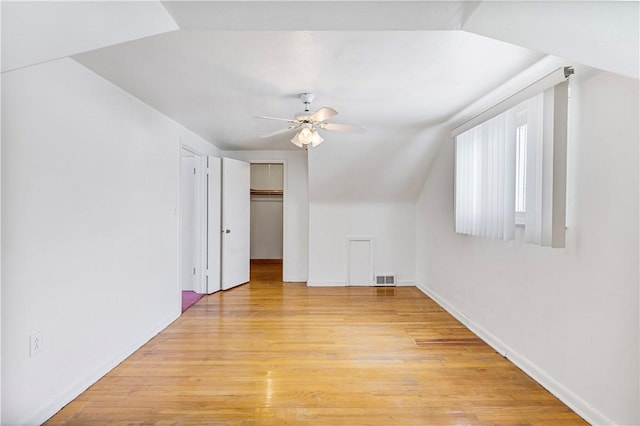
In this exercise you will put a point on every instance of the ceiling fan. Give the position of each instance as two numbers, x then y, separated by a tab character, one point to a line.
307	124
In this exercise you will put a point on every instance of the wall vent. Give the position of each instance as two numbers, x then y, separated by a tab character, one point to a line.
385	280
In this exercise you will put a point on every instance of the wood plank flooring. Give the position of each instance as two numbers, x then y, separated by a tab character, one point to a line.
273	353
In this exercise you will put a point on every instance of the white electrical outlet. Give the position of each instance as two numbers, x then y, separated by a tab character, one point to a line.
35	343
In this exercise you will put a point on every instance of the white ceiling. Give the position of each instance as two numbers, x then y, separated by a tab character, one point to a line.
401	68
35	32
321	15
215	82
600	34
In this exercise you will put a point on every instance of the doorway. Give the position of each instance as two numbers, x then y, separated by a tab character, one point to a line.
192	226
267	215
187	221
214	222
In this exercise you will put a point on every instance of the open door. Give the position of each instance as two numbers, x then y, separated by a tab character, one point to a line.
235	222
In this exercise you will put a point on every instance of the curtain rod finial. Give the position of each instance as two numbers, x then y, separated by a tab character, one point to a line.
568	71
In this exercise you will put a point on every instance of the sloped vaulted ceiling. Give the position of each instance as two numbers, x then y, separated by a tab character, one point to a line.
35	32
399	68
599	34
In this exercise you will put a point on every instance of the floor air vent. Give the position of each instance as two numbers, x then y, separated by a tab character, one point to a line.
385	280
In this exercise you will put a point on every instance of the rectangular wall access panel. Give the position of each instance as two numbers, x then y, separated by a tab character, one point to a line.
360	263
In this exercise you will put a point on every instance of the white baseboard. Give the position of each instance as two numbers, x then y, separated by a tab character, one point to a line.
295	280
73	390
573	401
313	283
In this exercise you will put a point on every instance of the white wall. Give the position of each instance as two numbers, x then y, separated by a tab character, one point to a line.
296	207
349	168
199	146
390	225
567	316
90	179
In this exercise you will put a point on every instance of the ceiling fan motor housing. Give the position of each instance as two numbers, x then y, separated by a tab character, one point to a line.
306	98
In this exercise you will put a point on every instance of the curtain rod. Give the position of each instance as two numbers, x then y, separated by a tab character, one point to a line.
548	81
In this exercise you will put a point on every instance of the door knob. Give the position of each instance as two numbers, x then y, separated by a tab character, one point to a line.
227	231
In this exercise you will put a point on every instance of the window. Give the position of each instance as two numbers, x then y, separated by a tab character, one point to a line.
511	168
521	174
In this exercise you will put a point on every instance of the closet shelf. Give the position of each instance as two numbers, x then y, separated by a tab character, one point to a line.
266	191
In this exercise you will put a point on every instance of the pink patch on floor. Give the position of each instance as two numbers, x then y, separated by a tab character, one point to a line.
189	298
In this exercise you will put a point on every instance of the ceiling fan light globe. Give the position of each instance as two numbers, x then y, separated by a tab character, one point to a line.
306	135
296	140
316	139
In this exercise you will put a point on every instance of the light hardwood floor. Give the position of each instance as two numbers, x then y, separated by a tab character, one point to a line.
272	353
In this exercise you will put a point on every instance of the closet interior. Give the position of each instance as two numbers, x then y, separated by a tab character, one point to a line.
266	211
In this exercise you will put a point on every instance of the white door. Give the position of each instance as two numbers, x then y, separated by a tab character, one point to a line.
214	213
235	222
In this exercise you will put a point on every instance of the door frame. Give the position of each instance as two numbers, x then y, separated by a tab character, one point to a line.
186	216
285	193
213	266
371	241
200	218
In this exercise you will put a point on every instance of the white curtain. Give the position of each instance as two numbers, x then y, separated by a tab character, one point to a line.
486	167
535	170
546	167
485	179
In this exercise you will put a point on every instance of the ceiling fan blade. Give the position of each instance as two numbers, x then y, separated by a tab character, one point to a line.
288	120
342	127
323	114
281	131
